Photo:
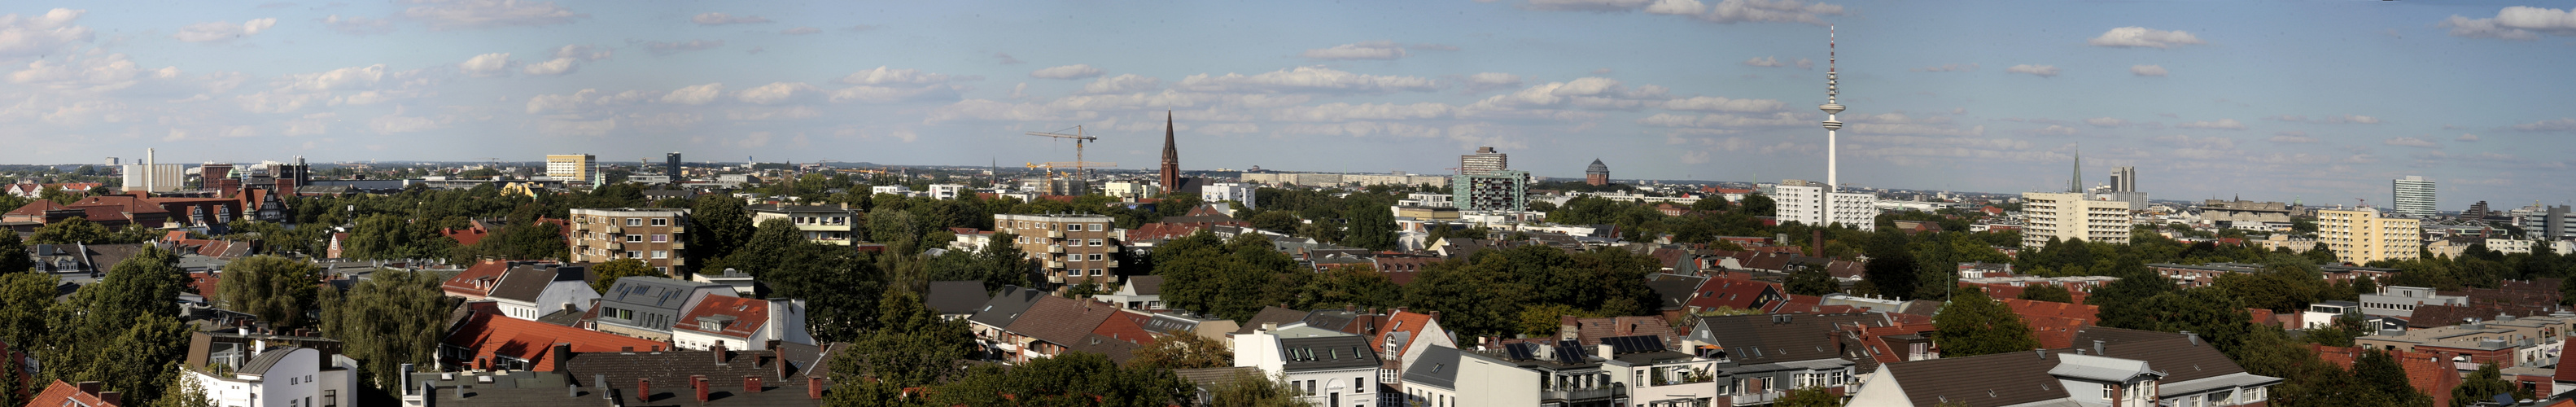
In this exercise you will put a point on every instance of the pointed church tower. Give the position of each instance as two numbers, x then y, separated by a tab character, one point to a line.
2076	184
1171	158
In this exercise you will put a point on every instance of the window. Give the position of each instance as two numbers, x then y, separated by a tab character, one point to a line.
661	254
1095	257
1095	242
634	254
330	398
1095	272
2108	392
1096	227
661	222
1310	386
634	221
1359	384
634	238
661	238
2254	394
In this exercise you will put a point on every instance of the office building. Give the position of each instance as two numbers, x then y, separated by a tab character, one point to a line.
1229	191
291	176
1070	249
2553	224
2069	216
1499	190
573	169
656	236
671	168
1483	161
2413	196
2124	179
1812	204
1598	174
2364	235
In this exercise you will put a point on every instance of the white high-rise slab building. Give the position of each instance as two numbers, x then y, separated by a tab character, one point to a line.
2069	216
1821	204
2413	196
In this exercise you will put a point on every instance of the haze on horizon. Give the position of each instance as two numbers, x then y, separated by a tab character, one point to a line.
2321	102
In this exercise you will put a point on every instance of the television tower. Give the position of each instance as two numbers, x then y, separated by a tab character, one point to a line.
1832	178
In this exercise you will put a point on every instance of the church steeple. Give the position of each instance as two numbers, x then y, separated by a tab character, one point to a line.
1171	157
2076	184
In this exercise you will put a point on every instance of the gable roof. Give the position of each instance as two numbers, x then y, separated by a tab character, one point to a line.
1755	339
1734	293
1270	315
1064	321
63	394
956	297
1007	307
524	282
1590	331
662	293
784	375
1145	285
1674	289
2170	352
2000	379
1405	327
735	317
477	280
486	333
2054	323
1328	352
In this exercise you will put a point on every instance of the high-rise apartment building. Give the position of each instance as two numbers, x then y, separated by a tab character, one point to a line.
580	169
671	168
2364	235
1810	203
1483	161
1499	190
1070	249
656	236
2413	196
2069	216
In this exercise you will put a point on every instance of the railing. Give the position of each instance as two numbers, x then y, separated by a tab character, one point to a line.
1055	234
1594	393
1055	248
1112	249
1670	382
1762	397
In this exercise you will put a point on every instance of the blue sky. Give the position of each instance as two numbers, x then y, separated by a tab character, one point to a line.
2206	98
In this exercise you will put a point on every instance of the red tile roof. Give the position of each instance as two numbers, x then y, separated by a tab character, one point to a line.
476	281
747	316
1401	321
1733	293
487	333
2053	323
63	394
1064	321
2431	373
1126	326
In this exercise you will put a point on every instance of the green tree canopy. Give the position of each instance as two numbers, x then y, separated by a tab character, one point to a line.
2045	292
391	318
71	231
1182	350
1973	324
614	269
274	289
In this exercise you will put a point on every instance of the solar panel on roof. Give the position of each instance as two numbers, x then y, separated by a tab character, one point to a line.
1521	351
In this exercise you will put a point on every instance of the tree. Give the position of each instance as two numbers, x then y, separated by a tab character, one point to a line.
393	317
614	269
1544	320
1756	205
25	299
1811	280
274	289
1370	227
913	347
142	359
1710	203
2484	385
70	231
1811	396
1974	324
1356	285
1256	390
1275	220
1182	350
2045	292
1895	274
718	225
1075	378
840	290
2320	254
13	255
2379	373
768	243
184	393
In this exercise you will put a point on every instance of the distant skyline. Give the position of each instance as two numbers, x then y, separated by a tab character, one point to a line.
2206	99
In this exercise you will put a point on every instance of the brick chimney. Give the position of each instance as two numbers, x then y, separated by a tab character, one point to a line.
814	387
111	398
88	387
719	351
644	389
751	384
562	353
699	382
781	364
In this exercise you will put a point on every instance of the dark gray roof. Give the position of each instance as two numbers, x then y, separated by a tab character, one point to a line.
516	388
796	208
1006	307
1674	289
1146	285
1774	338
524	282
670	372
640	292
1330	352
564	317
266	359
1437	367
957	297
1275	315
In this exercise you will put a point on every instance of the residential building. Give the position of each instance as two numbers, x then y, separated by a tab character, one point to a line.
485	340
574	169
1139	293
1071	248
729	322
1811	204
2506	341
1498	190
648	307
1759	358
2069	216
992	321
2243	211
1398	178
1129	190
1483	161
86	394
1334	369
653	235
1598	174
947	191
2414	197
956	299
1446	377
1230	191
1054	325
2365	235
533	291
2401	301
286	376
825	224
2107	367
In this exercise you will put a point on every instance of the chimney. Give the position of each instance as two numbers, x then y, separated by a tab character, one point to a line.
1818	242
2097	349
1266	327
644	389
2043	353
699	382
719	350
781	364
602	381
2195	338
751	384
572	390
1604	351
562	353
814	387
111	398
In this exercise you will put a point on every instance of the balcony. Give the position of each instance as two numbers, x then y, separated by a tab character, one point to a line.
1758	398
1111	249
1055	248
1586	394
1112	264
1053	264
1055	234
675	229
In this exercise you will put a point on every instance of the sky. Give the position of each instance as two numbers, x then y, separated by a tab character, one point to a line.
2320	101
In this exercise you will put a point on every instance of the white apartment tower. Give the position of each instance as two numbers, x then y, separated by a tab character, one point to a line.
581	169
1823	205
2414	196
2362	235
2069	216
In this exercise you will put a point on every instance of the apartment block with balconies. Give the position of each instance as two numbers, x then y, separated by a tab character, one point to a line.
827	224
1070	248
657	236
2364	235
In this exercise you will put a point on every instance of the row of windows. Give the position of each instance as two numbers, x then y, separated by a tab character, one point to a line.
634	221
1069	227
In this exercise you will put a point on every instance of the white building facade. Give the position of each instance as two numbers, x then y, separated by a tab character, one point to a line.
1230	191
285	376
2070	216
1811	205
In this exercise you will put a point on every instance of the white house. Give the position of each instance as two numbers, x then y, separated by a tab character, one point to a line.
741	324
284	376
531	291
1328	368
946	191
1446	377
1229	191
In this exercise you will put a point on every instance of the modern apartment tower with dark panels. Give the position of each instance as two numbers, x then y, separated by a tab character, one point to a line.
671	167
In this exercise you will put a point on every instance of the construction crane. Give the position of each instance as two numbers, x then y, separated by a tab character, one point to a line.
1078	139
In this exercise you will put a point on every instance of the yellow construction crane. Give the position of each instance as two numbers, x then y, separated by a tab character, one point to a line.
1077	165
1078	139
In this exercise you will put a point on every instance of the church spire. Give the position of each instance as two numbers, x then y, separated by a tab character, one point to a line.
1171	157
2076	184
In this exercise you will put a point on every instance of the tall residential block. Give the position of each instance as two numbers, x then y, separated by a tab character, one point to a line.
2069	216
671	168
582	169
2366	234
2413	196
656	236
1070	249
1499	190
1811	203
1483	161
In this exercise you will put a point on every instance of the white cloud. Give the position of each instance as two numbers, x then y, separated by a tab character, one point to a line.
886	76
92	72
2291	137
41	34
397	123
1588	93
354	25
557	103
800	31
887	94
694	95
584	52
1721	104
2147	70
2467	138
2128	37
667	48
1334	112
457	14
2515	23
1481	82
2338	119
2412	142
557	66
336	79
1379	50
1127	83
2056	130
722	19
1804	63
2200	143
2106	122
2035	70
1718	120
1766	62
777	92
2220	124
1947	68
222	30
1724	12
2562	124
1075	71
587	128
1307	79
494	64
